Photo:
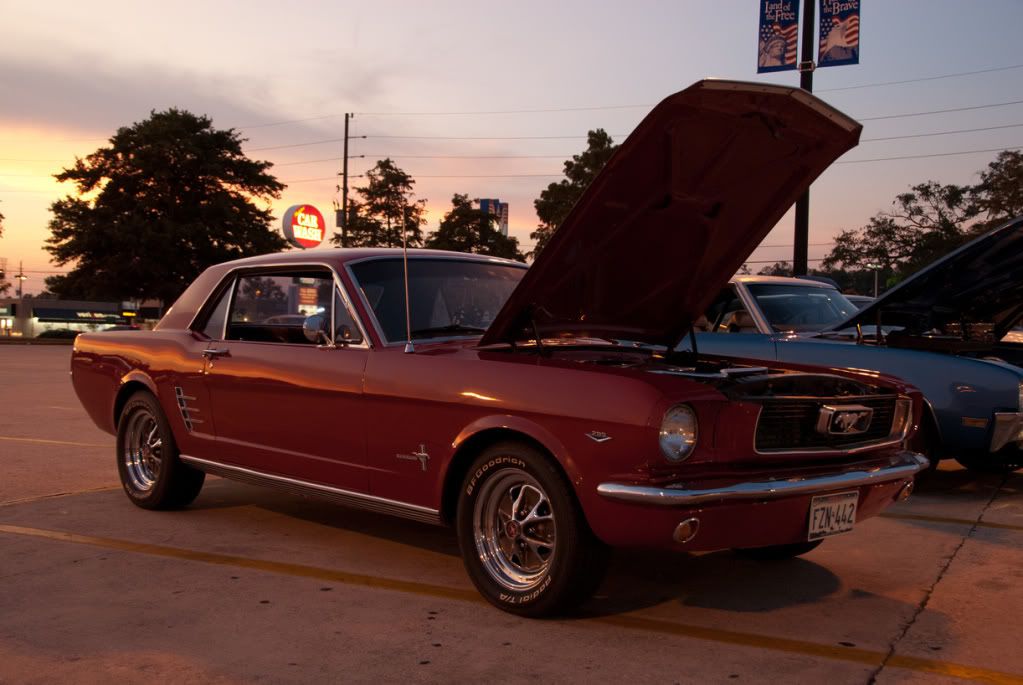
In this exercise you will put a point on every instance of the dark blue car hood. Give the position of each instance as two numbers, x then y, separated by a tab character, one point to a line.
980	283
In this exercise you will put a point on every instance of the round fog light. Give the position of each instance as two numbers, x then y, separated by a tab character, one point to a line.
905	492
686	531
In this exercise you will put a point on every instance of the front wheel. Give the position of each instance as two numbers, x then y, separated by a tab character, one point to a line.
524	540
147	458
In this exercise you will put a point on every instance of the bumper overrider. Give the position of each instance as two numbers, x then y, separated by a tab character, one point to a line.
1008	428
753	513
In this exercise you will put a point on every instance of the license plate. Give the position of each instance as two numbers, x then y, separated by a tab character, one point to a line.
832	514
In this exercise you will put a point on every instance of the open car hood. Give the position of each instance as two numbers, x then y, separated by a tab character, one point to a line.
973	292
678	208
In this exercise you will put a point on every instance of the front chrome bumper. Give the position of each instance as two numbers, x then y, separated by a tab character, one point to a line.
1008	428
905	465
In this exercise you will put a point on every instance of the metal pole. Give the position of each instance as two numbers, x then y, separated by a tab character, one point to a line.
806	66
875	282
344	189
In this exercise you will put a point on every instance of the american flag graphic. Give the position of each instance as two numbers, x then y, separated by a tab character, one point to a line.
847	31
789	33
839	35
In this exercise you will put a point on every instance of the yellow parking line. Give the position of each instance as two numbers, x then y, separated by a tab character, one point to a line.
780	644
948	519
41	441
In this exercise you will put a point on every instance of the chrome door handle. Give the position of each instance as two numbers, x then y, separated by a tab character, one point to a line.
211	352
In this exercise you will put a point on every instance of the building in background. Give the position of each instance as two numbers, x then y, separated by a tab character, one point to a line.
30	316
499	209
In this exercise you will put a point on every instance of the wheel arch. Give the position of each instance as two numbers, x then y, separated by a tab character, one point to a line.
130	384
477	437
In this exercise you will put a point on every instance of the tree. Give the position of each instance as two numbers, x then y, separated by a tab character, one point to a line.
387	206
557	200
776	269
469	229
925	224
999	194
170	196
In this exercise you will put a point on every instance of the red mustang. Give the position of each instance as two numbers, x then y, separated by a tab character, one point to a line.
545	414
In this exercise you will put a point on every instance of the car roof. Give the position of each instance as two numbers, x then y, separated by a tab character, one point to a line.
351	254
781	280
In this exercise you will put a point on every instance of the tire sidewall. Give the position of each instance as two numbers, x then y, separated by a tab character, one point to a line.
493	463
157	495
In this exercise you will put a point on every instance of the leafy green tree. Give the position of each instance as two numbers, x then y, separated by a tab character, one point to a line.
387	205
469	229
168	197
999	195
925	224
557	200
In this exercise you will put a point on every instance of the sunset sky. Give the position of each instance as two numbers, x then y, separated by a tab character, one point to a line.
479	98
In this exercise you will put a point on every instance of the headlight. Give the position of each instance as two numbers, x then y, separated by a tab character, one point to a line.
678	432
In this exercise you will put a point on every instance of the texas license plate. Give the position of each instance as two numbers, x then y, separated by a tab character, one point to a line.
832	514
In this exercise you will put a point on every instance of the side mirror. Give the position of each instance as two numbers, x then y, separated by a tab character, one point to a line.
315	329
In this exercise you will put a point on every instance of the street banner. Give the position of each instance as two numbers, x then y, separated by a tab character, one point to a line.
839	33
779	35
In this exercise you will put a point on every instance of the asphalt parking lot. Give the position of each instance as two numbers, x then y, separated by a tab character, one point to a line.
248	585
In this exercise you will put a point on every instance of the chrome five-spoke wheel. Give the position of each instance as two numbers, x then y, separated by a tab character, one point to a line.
143	447
524	539
147	457
515	530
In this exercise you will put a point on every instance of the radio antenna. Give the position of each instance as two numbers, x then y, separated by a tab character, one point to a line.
409	347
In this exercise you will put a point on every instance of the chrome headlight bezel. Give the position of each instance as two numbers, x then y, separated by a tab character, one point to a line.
678	433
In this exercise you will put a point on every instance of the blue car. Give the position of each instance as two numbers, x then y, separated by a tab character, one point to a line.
946	330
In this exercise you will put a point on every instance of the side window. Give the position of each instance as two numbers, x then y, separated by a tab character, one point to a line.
728	315
346	331
273	306
214	327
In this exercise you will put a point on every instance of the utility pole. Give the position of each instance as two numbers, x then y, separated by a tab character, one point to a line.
806	67
344	188
20	277
341	218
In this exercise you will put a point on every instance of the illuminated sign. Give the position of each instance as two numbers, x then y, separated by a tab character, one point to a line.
304	226
307	296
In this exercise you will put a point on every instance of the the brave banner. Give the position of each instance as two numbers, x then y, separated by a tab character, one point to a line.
839	33
779	35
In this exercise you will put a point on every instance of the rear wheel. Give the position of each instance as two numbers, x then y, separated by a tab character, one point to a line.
147	458
779	552
524	540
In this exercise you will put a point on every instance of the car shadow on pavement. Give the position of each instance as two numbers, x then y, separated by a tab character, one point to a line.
722	580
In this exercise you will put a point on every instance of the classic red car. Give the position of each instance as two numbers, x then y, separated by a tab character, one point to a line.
545	414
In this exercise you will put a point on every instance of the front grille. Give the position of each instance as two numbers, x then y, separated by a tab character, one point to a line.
791	424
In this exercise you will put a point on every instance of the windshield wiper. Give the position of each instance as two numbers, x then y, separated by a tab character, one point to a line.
450	328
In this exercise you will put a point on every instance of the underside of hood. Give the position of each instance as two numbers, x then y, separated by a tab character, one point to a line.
974	293
676	211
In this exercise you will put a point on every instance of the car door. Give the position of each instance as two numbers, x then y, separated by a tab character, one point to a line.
283	404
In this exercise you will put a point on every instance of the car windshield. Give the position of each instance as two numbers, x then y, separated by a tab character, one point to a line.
800	308
450	297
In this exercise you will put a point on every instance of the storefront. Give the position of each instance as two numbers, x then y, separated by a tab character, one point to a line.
30	317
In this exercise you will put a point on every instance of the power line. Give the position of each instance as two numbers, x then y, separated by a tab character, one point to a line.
941	133
937	154
940	111
596	108
924	78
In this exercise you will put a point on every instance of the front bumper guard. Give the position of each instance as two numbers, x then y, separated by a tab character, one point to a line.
905	465
1008	428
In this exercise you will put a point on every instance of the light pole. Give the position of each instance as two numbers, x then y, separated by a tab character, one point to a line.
876	268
